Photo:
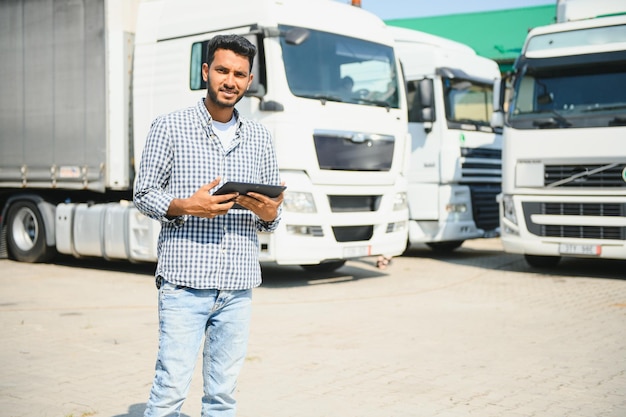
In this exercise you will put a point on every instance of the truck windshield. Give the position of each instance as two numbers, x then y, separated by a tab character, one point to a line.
331	67
468	104
587	96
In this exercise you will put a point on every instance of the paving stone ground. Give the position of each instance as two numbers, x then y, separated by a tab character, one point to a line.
473	333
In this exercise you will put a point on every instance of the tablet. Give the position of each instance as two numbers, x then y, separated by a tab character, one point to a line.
246	187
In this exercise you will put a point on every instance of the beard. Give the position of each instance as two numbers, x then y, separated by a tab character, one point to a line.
213	95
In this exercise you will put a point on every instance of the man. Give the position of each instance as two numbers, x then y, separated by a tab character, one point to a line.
207	250
345	87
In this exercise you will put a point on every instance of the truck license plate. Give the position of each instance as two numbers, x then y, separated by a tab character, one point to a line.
356	251
572	249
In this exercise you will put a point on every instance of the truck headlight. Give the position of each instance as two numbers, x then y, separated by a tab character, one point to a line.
456	208
299	202
400	202
508	208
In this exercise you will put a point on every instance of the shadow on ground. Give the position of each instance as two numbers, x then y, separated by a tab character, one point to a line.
285	276
136	410
496	259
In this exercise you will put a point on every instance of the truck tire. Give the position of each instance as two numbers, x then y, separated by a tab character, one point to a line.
537	261
324	266
26	233
445	247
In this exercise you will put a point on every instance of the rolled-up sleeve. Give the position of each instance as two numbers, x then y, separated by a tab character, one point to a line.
270	174
263	226
150	192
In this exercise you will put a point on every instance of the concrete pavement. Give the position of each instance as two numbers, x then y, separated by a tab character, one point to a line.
476	333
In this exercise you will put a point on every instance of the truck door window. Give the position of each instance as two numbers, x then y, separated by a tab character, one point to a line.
198	54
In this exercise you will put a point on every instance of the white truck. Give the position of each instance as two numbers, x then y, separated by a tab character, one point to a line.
573	10
455	159
71	135
564	155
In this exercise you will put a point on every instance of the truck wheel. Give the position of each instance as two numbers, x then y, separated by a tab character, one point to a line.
26	233
324	266
445	247
537	261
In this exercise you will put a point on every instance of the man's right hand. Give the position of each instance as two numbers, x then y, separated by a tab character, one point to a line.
202	203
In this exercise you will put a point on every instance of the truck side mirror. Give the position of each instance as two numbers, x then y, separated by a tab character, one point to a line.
425	93
422	102
264	105
256	89
497	116
428	114
426	102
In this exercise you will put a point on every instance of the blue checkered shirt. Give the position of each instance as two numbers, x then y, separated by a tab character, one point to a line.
180	155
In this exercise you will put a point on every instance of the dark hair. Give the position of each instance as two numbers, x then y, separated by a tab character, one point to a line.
236	43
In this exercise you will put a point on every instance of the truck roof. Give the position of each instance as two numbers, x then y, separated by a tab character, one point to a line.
572	10
422	54
414	36
167	19
577	37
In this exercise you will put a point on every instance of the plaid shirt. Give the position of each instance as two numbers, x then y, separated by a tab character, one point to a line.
181	154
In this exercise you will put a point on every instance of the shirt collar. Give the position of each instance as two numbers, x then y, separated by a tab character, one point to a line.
206	118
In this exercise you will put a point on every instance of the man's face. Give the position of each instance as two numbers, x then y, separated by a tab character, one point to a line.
227	78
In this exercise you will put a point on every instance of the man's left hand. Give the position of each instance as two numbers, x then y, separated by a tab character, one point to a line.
263	206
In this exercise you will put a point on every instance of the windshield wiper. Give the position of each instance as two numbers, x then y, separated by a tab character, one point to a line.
618	121
323	97
477	124
380	103
557	120
605	107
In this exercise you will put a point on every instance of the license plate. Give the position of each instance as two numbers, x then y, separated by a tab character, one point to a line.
571	249
356	251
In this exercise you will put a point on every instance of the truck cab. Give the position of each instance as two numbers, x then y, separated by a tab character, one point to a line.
564	159
454	162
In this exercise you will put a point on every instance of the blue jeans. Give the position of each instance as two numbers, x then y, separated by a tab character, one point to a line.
186	317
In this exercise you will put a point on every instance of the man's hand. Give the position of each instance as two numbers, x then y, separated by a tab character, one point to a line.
261	205
202	203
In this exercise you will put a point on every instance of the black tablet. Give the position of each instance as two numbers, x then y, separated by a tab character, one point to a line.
246	187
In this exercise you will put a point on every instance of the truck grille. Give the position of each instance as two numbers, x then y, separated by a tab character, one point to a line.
575	209
353	233
350	151
481	170
481	164
484	205
485	153
598	176
353	203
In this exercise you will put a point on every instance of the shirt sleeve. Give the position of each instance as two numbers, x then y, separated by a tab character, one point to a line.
270	175
150	192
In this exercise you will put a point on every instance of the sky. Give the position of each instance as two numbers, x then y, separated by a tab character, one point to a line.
399	9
